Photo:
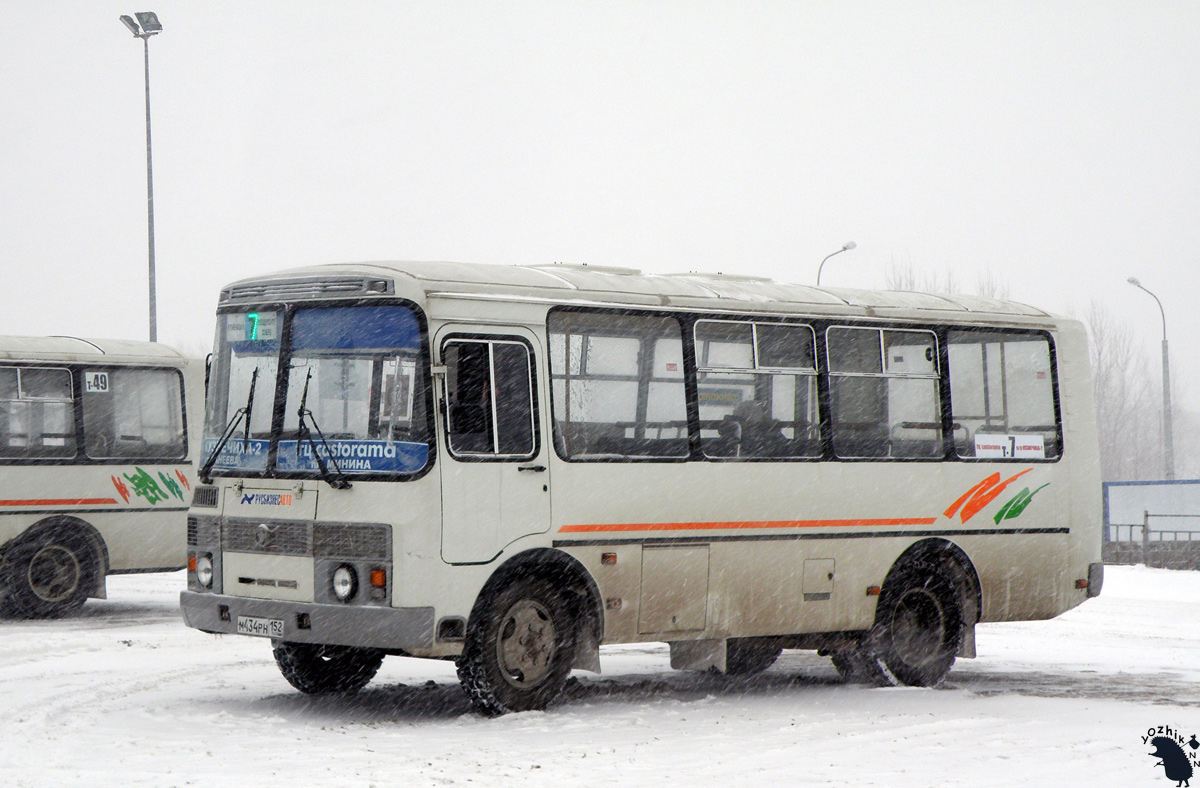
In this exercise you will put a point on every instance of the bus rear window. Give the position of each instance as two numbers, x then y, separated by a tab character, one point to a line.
1002	396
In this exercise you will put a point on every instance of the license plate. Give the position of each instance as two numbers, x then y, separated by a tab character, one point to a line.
260	627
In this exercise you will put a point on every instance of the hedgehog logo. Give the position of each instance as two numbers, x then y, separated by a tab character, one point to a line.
1177	766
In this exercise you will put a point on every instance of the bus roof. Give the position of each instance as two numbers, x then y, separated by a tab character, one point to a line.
19	348
570	283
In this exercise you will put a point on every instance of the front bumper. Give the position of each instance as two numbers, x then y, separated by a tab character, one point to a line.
309	622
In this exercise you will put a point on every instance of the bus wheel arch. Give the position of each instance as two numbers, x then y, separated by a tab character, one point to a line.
927	608
548	596
946	557
53	567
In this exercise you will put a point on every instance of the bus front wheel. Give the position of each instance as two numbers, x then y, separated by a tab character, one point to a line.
519	649
50	575
314	669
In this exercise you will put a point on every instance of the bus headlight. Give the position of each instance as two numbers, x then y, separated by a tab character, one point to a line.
345	583
204	570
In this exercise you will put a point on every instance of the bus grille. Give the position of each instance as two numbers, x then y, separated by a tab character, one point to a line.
273	538
206	497
202	532
367	542
308	287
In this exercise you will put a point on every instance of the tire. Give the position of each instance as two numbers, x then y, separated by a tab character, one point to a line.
50	575
519	648
918	627
860	666
314	669
747	656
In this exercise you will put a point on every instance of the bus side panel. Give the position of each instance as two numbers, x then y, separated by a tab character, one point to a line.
766	523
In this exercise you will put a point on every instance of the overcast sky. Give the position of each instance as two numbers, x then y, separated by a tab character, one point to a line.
1055	145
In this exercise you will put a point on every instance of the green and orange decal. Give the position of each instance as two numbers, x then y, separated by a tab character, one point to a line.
989	490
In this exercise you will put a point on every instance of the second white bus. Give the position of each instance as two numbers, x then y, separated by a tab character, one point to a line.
96	466
511	466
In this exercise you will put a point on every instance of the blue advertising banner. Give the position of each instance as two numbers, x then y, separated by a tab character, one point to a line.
354	456
237	454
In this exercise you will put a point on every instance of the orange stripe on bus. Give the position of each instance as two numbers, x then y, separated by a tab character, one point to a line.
595	527
59	502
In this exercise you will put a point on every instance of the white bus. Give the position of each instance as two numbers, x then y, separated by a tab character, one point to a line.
511	466
96	466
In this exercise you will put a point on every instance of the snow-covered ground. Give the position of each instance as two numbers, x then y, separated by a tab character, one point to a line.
124	694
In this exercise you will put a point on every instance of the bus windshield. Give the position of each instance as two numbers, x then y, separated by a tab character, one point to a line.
354	393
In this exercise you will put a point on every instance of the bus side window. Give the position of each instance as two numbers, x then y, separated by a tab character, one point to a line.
617	386
757	386
884	398
489	399
37	413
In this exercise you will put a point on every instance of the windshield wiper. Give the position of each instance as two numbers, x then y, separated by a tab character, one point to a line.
335	478
206	469
249	408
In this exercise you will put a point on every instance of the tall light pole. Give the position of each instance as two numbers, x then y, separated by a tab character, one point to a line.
1168	434
147	25
845	248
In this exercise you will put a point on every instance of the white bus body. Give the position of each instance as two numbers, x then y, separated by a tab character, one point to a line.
523	463
96	466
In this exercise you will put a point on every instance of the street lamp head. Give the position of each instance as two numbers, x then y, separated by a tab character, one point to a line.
1134	281
845	248
149	22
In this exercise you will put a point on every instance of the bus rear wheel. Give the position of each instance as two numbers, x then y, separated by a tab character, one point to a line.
519	649
50	575
314	669
918	627
860	666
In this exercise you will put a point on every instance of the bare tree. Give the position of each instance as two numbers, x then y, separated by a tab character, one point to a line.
991	286
1128	414
904	276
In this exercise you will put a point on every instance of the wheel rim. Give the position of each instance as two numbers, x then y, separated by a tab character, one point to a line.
54	573
526	644
918	626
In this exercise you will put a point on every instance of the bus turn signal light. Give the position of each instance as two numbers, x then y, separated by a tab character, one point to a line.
1081	583
874	590
378	578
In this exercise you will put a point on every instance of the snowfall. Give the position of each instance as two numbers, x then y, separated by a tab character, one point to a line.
123	694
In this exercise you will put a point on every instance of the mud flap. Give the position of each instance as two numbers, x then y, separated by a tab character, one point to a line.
966	642
587	654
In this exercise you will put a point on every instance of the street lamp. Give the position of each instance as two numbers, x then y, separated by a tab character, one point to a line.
1168	435
147	25
845	248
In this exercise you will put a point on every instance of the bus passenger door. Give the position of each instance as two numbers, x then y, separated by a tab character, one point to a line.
495	476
